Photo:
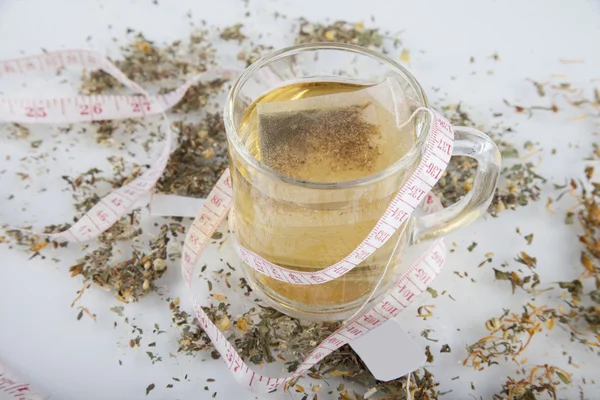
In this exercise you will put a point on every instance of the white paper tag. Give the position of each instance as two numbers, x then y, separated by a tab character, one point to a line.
169	205
389	352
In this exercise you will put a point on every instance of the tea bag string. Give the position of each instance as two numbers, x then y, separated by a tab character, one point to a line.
387	266
414	114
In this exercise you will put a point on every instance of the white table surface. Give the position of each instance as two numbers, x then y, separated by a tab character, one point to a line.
40	338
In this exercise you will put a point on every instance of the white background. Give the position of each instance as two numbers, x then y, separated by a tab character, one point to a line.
63	358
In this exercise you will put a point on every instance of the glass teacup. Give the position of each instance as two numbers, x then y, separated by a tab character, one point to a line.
306	225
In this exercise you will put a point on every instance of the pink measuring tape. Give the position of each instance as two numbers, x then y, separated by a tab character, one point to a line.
14	388
219	202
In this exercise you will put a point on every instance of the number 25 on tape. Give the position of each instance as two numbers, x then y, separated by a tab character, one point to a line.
36	112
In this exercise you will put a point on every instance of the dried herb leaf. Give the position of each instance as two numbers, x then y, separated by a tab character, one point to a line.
150	388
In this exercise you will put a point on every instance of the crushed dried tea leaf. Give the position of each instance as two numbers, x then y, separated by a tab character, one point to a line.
150	388
339	31
541	380
233	33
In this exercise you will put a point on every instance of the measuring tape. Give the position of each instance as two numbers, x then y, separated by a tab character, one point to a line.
14	388
109	209
95	108
433	163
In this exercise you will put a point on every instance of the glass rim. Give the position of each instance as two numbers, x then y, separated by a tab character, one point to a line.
240	148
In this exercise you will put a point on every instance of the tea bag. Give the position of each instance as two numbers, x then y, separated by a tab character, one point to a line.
336	137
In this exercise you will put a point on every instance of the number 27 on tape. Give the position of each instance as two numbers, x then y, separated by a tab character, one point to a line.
141	106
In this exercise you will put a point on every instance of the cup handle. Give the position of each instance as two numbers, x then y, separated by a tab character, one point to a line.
475	144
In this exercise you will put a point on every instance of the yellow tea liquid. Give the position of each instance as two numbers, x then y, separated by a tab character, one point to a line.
307	229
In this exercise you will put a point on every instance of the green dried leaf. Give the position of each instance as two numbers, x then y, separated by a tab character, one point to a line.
430	358
528	395
526	259
570	218
501	275
117	310
575	288
150	388
510	152
563	377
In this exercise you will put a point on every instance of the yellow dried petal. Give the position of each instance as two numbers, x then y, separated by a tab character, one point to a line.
202	134
209	153
530	147
330	35
515	277
159	264
340	373
76	270
405	55
219	297
587	263
144	46
500	206
241	324
38	246
223	323
493	324
548	204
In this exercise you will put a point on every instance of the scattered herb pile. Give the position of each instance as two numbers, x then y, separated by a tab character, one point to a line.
263	335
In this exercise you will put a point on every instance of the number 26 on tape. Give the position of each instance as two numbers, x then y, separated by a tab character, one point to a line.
86	109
